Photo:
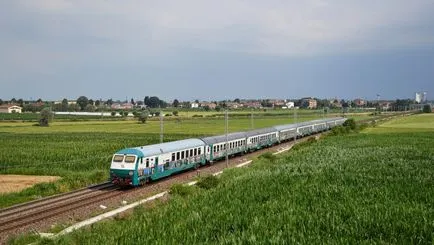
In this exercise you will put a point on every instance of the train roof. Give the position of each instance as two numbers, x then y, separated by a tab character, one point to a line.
151	150
286	126
222	138
260	131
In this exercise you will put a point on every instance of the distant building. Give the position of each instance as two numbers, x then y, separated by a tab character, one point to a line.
194	105
210	105
124	106
359	102
420	97
252	104
10	108
309	103
288	105
233	105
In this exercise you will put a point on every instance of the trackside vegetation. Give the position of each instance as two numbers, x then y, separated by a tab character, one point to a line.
369	187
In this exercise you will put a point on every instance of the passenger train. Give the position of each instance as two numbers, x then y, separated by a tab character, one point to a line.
139	165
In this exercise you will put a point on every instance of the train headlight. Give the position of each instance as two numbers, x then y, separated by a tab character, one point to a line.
131	173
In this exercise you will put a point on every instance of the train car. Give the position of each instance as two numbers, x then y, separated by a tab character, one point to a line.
216	145
261	138
286	132
135	166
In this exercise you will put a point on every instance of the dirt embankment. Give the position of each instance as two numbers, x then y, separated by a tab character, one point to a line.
15	183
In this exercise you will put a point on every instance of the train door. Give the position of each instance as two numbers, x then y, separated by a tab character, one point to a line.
156	164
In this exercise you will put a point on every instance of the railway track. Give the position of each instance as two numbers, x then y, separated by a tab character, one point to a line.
22	215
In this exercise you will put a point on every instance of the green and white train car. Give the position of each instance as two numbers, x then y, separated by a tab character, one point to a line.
134	166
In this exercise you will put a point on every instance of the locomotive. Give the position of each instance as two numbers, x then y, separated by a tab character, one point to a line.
138	165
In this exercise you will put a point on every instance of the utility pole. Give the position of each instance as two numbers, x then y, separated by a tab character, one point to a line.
251	120
226	131
161	127
296	128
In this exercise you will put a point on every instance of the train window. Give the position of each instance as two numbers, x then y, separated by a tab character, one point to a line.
198	151
173	157
130	159
118	158
178	156
182	154
214	148
141	160
186	153
195	151
147	162
191	152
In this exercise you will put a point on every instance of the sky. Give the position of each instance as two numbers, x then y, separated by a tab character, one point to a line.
216	50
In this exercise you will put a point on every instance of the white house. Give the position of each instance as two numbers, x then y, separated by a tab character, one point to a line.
10	108
194	105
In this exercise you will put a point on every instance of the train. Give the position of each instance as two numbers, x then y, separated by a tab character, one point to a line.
139	165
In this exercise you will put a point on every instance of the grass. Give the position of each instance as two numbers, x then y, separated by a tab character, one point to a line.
372	187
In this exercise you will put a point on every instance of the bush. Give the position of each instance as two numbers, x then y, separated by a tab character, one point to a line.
45	117
181	190
208	182
350	123
268	156
175	113
143	117
426	109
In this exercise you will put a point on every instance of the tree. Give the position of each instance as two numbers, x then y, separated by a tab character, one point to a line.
82	101
90	102
39	100
146	101
132	101
426	109
109	102
143	116
237	100
1	102
90	108
175	113
154	102
175	103
196	101
20	102
97	102
64	104
113	113
13	101
45	117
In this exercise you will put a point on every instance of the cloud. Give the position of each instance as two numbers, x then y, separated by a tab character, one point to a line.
263	27
60	39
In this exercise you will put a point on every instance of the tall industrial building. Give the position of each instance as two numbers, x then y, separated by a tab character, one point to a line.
420	97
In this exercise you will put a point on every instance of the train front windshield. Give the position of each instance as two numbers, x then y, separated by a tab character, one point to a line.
123	162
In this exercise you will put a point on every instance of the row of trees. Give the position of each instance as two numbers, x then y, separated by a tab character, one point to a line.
85	104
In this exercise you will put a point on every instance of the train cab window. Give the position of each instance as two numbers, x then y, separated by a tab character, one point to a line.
130	159
178	156
182	154
141	160
195	151
198	151
118	158
173	157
